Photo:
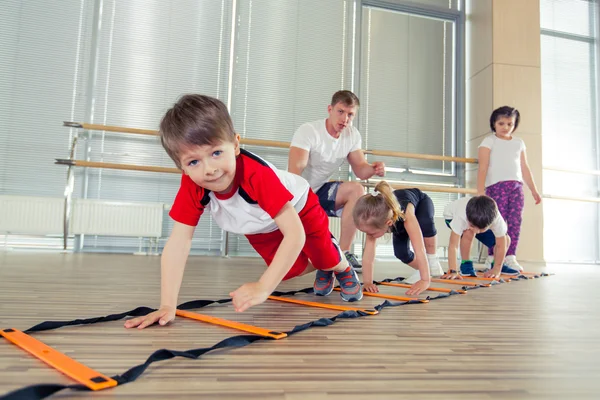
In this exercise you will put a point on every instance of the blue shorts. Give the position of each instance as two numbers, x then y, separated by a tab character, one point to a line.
326	195
487	238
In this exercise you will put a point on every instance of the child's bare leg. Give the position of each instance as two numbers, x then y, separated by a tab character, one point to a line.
430	244
340	267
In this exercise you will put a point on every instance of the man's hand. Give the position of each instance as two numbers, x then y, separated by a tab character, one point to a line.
379	168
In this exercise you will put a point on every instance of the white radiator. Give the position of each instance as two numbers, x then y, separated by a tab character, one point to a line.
31	215
44	216
101	217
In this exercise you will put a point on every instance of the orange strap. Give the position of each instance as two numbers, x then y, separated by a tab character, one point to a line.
391	297
460	282
73	369
430	289
322	305
231	324
481	278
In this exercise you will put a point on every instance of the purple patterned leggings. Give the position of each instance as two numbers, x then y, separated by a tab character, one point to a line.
510	199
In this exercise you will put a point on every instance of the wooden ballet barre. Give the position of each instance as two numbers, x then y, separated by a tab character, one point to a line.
269	143
98	127
425	188
129	167
572	198
573	171
132	167
399	154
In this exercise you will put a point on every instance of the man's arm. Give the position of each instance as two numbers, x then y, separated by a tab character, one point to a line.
297	160
361	168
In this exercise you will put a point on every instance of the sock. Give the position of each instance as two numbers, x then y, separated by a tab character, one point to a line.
464	261
348	269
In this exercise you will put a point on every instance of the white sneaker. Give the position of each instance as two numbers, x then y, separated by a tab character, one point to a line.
488	262
435	268
415	277
511	261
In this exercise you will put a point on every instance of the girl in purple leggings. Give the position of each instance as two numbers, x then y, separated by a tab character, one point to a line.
502	170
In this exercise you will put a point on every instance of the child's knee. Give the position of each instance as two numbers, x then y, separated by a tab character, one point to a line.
406	256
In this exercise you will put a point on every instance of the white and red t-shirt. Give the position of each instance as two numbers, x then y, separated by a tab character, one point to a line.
259	192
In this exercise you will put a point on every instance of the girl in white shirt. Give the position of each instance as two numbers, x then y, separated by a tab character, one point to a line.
503	168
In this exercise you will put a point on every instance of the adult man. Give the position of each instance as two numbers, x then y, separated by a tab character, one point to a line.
317	151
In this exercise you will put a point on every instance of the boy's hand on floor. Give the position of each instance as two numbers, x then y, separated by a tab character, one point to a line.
493	273
163	315
370	287
452	275
248	295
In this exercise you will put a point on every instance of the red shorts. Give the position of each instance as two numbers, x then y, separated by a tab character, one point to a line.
320	247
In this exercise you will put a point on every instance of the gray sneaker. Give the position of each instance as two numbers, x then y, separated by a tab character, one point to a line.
353	261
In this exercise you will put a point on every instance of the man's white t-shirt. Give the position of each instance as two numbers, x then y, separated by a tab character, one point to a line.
326	153
505	159
457	212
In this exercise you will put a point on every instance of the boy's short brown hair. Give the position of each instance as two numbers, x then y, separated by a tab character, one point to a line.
482	211
195	120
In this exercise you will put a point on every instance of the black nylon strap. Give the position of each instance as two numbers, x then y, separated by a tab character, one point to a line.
41	391
400	279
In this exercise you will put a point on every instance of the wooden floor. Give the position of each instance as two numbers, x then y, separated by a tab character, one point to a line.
536	339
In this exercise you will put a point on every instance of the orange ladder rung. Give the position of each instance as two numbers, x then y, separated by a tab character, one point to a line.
391	297
65	364
322	305
460	282
231	324
431	289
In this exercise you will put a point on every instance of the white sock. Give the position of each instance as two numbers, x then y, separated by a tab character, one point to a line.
415	277
435	268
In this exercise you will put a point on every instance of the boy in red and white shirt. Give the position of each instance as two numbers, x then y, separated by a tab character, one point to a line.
276	210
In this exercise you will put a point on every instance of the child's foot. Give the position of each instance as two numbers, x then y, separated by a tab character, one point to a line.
350	288
511	261
415	277
353	261
489	262
324	281
467	269
435	268
506	270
